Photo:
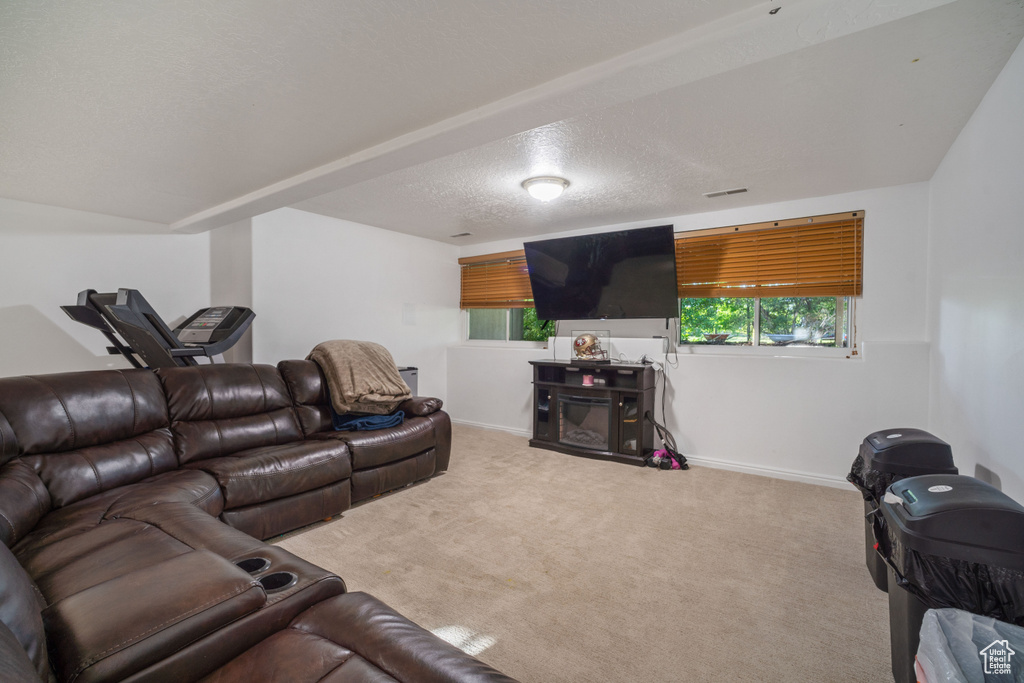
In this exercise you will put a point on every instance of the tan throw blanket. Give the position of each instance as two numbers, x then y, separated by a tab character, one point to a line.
361	376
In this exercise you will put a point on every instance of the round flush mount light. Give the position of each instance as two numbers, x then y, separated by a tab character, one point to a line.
545	188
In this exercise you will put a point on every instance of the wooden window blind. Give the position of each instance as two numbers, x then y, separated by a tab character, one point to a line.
496	281
817	256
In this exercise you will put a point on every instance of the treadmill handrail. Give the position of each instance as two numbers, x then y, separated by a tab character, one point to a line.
87	314
137	331
187	351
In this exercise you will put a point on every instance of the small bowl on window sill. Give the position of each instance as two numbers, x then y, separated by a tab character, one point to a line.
718	338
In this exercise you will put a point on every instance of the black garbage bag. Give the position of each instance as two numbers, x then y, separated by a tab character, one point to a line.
872	485
890	455
996	592
870	482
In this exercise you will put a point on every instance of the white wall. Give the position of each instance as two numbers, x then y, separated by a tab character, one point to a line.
50	254
977	288
797	416
231	278
317	278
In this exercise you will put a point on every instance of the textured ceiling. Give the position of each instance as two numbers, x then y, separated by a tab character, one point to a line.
425	117
869	109
158	110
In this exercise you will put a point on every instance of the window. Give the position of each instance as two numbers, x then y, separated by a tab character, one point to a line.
498	301
784	283
757	321
507	324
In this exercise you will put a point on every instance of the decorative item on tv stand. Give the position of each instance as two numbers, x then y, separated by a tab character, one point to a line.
591	346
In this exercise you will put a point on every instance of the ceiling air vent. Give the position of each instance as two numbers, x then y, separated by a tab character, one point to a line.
462	234
722	193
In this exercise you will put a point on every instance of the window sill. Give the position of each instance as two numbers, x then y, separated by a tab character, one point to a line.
498	344
767	351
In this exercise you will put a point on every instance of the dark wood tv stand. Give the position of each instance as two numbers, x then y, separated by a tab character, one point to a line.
594	409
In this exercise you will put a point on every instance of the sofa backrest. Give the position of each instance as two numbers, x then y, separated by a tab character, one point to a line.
307	384
86	432
308	387
218	410
21	608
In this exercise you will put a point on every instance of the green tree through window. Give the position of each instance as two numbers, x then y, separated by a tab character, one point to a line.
715	321
532	328
789	320
765	321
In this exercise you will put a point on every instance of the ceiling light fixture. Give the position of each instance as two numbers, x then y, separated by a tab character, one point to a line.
545	188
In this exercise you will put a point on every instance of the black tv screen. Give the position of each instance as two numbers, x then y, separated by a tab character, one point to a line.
623	274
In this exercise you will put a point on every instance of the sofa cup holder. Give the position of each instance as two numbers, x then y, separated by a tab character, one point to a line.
253	565
278	581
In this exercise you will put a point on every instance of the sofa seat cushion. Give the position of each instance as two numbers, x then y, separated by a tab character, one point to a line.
262	474
106	551
94	540
119	627
192	487
355	637
384	446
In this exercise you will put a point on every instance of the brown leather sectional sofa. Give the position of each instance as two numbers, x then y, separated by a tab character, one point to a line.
132	505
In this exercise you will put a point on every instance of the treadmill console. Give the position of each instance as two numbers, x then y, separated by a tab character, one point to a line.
209	325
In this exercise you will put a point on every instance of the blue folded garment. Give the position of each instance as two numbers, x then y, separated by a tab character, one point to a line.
365	423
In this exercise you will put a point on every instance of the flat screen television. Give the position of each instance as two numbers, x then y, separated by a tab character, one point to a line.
622	274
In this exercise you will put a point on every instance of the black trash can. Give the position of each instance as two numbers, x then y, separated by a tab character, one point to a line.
953	541
884	457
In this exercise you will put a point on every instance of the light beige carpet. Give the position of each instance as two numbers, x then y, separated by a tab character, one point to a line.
573	569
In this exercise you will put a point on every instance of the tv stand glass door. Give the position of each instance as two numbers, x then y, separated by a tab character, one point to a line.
584	421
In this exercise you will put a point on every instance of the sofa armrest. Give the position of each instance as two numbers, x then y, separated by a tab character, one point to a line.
116	628
8	442
15	666
23	501
420	406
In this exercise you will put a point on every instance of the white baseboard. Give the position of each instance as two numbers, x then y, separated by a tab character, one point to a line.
775	472
760	470
499	428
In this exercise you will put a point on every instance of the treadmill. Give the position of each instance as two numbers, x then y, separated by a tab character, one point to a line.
137	332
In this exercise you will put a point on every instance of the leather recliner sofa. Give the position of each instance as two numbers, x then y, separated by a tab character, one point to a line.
133	508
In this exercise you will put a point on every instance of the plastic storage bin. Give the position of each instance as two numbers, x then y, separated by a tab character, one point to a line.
884	457
410	375
953	541
960	647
